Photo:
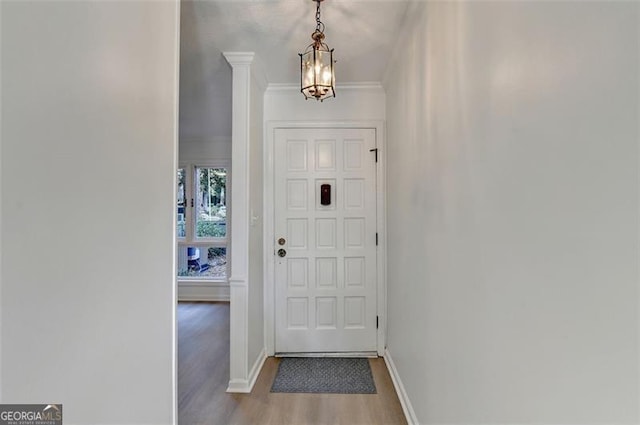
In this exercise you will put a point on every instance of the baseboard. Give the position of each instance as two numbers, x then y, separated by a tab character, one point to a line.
203	292
238	386
407	408
257	367
357	354
246	385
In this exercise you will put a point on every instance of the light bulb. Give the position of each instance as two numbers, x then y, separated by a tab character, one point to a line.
326	76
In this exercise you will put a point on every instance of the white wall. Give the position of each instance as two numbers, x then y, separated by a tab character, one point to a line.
89	111
256	252
205	81
204	150
364	102
513	212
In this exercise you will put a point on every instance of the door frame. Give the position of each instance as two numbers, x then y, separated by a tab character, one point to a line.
269	224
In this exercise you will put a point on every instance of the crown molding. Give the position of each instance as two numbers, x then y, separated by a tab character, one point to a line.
239	58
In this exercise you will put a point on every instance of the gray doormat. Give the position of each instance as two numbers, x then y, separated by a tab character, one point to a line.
324	375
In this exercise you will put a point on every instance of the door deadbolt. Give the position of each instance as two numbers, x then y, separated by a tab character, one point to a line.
281	241
282	252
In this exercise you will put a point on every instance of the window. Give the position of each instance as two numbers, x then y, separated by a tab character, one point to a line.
202	229
181	230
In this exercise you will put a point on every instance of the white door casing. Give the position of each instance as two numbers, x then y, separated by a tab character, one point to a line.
326	285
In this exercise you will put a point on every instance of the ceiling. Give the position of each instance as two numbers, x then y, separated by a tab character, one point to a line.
362	33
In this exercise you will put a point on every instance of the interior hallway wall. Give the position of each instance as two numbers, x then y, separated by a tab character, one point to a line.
204	150
89	122
513	212
205	86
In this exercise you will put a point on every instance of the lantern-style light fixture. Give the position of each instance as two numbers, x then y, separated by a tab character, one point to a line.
317	77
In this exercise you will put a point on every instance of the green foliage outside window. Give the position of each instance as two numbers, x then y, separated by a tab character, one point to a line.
211	229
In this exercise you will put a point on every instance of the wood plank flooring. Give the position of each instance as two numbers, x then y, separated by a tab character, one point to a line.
203	375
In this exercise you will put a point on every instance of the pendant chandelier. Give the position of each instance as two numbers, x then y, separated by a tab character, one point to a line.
317	78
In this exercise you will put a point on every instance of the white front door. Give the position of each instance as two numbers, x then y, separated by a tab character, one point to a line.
325	240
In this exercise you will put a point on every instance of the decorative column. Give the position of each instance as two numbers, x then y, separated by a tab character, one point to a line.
240	218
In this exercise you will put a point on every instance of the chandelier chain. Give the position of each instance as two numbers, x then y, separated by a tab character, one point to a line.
319	24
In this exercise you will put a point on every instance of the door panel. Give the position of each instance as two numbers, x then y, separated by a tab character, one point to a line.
326	282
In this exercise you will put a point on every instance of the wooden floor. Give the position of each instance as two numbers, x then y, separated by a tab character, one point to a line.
203	375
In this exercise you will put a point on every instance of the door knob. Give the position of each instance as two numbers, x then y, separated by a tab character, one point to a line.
282	252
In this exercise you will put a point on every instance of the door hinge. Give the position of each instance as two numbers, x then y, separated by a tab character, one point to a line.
377	322
376	238
191	202
376	151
